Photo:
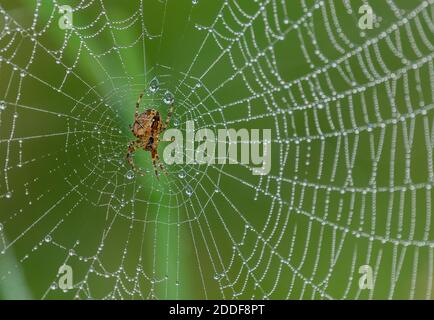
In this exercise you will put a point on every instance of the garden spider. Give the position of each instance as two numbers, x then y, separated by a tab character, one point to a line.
146	128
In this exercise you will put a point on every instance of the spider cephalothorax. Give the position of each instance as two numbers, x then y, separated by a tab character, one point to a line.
146	128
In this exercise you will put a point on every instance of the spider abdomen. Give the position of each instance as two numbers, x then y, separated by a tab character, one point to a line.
146	123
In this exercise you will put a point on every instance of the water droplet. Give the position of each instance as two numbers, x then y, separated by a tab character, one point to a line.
194	1
218	276
1	227
23	74
168	98
189	191
48	238
8	195
53	286
130	174
181	174
176	122
2	105
154	85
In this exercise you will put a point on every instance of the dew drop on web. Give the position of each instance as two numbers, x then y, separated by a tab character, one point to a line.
130	175
189	191
168	98
181	174
154	85
217	276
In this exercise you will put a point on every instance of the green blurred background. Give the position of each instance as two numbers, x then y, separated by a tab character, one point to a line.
217	231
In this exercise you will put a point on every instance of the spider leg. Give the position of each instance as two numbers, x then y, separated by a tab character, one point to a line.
160	164
132	147
169	116
154	162
136	113
167	140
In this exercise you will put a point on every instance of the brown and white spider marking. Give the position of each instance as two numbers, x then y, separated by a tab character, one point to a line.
146	128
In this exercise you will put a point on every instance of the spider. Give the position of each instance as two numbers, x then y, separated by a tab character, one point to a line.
146	128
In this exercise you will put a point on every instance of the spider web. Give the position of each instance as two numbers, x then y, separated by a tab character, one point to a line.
351	114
